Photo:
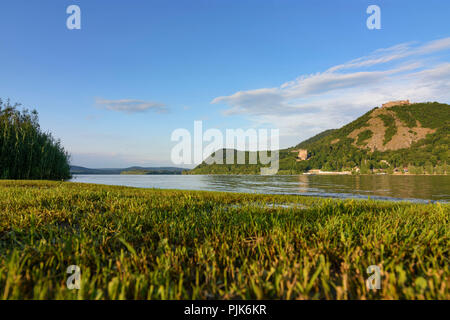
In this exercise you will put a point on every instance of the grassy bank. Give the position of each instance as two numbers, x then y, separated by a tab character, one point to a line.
166	244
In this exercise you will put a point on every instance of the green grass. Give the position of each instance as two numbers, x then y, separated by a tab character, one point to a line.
167	244
391	128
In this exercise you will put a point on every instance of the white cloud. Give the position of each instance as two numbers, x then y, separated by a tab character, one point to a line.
131	106
397	52
315	102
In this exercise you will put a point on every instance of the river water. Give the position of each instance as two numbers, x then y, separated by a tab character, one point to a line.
381	187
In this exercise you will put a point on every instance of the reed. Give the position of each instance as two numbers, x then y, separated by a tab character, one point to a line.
26	152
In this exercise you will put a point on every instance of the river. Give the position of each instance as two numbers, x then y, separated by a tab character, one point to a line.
381	187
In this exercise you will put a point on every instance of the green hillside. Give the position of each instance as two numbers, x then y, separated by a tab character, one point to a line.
387	140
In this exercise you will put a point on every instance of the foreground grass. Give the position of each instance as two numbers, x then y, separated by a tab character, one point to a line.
166	244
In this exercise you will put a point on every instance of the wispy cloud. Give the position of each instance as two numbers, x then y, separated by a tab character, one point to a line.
394	53
315	102
131	106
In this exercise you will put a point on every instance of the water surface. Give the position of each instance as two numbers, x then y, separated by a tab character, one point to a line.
383	187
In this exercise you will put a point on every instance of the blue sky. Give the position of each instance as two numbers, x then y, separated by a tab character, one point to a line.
115	90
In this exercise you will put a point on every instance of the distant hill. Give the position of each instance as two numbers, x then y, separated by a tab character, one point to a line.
386	139
130	170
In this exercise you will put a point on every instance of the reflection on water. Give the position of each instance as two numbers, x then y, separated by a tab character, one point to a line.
376	186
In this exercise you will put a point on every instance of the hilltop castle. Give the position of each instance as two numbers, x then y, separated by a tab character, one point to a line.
395	103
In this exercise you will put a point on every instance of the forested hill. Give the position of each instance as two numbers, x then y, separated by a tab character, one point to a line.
384	139
130	170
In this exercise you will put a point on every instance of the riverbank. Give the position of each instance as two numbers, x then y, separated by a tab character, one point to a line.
169	244
349	173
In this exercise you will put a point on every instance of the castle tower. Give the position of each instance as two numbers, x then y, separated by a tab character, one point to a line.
395	103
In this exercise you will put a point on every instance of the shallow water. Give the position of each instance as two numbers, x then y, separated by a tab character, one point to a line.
383	187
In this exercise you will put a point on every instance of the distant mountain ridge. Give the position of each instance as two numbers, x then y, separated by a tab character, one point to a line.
405	137
129	170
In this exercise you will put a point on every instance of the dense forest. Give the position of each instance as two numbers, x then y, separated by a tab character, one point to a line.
27	152
348	148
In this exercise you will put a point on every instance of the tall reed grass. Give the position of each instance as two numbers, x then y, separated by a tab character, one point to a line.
26	152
